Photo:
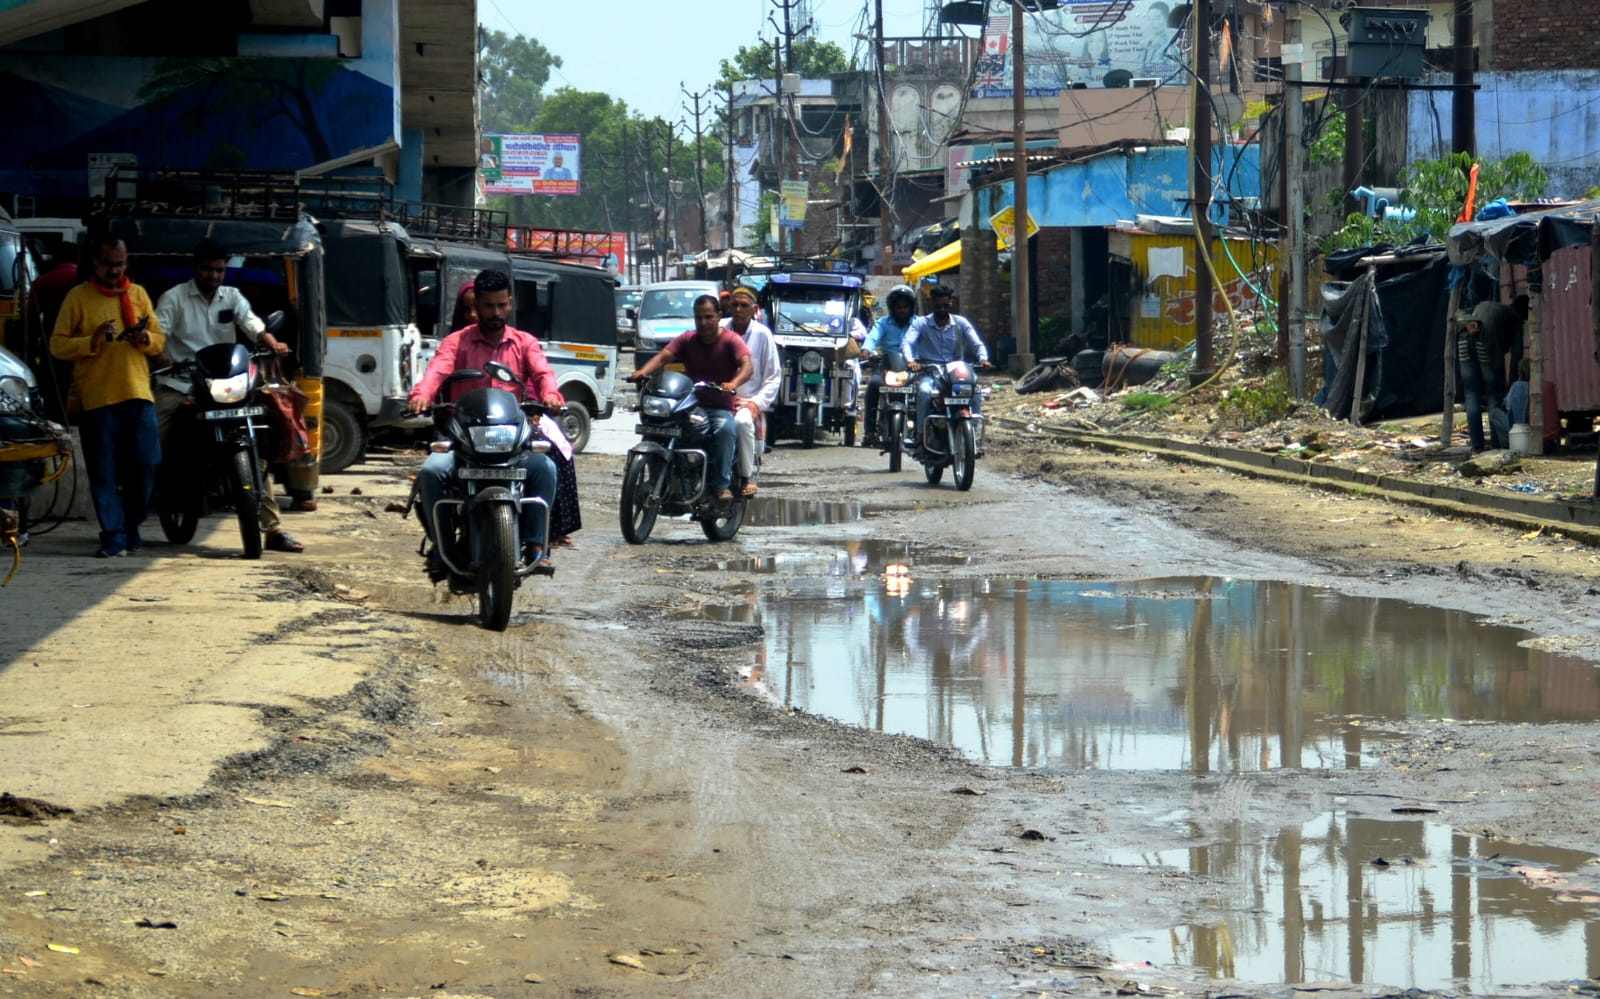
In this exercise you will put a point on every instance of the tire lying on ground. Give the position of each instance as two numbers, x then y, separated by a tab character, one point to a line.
1124	366
1040	378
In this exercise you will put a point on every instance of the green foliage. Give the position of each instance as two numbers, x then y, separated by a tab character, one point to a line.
812	59
1328	146
1053	332
1255	405
1146	402
759	232
1437	189
515	70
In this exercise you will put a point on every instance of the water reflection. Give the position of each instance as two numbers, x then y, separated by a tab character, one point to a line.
1408	904
766	511
866	557
1202	674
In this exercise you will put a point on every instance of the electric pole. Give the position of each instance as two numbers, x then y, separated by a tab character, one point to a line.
1200	177
732	209
1021	317
1293	204
885	154
629	214
699	162
1463	107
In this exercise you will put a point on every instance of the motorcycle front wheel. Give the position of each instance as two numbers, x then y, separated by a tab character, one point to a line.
636	511
808	424
896	422
494	538
964	457
246	504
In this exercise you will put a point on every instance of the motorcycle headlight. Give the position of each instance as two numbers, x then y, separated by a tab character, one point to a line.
656	406
229	389
811	362
493	440
14	395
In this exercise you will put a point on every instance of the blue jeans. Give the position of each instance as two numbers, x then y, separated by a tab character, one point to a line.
926	381
121	450
1479	391
539	480
720	437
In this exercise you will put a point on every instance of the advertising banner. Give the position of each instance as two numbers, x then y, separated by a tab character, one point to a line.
793	206
530	164
1090	43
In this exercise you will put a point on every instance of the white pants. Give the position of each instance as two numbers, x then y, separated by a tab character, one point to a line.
744	422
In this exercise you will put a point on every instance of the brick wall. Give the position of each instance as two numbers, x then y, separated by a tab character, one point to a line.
1546	35
1053	248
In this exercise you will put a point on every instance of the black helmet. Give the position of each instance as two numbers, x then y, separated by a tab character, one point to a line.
903	293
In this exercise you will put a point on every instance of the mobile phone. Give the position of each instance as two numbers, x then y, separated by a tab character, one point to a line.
225	316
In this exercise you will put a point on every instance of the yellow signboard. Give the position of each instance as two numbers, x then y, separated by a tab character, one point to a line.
1004	223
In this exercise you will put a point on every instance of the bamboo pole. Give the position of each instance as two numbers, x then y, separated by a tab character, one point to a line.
1361	347
1447	423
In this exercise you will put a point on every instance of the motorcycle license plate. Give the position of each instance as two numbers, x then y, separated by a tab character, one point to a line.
809	378
236	413
498	474
643	431
896	390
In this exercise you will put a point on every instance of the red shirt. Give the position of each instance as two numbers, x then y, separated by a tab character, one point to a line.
467	348
717	361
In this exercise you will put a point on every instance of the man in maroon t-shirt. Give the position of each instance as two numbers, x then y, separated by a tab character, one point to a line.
710	353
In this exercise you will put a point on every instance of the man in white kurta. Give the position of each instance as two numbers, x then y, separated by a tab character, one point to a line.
760	392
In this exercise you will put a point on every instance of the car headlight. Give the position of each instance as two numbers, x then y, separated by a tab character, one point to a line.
493	440
229	389
811	362
656	406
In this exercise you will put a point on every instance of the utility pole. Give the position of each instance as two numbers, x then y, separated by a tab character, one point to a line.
1463	113
779	138
885	154
699	163
1293	204
1021	319
1200	182
668	222
629	214
733	210
1355	139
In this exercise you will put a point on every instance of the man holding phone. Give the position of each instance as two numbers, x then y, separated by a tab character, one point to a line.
108	330
197	314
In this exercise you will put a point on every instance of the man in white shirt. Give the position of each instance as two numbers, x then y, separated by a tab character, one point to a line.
760	392
197	314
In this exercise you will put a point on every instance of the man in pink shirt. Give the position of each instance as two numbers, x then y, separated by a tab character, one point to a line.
492	338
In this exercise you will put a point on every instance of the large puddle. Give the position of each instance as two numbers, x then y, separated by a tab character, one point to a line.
1410	904
1203	674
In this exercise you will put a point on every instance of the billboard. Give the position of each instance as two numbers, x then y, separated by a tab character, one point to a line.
530	164
1083	42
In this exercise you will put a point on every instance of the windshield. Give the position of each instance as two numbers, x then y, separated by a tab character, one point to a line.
628	298
670	303
799	309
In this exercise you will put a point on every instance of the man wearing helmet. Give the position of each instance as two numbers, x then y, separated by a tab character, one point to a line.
887	336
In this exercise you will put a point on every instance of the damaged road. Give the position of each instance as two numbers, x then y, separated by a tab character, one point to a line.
315	774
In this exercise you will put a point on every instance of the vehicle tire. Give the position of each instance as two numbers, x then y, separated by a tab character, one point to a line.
933	473
636	511
726	526
246	504
344	437
178	508
494	535
574	420
964	463
1040	378
897	432
808	424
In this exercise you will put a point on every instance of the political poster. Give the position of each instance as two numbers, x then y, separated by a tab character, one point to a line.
1088	43
531	164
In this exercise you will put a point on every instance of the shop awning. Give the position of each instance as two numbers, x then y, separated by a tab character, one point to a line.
942	259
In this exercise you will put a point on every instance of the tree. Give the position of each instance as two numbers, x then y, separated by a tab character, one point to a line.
813	60
515	71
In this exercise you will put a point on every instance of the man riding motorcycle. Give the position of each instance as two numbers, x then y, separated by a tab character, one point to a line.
888	337
939	338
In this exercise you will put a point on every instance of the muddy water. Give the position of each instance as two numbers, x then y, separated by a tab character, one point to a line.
1204	674
1409	904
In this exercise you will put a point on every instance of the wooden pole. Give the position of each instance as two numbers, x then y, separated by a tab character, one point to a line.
1447	422
1361	355
1536	364
1594	318
1021	316
1200	121
880	102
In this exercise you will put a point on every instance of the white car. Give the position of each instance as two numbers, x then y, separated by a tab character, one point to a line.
666	309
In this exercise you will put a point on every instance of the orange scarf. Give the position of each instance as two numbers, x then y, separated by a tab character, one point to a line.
121	290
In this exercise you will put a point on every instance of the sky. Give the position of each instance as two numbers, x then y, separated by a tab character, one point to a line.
645	52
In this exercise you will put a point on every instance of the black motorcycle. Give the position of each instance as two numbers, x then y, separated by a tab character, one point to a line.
476	524
949	439
664	475
894	402
33	451
212	458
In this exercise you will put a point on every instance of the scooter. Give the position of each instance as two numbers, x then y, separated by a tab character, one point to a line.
950	437
665	476
33	451
212	457
894	396
476	523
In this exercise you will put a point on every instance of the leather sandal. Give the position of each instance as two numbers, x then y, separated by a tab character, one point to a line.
283	541
750	489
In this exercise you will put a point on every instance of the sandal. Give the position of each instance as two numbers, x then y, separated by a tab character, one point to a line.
750	489
726	496
283	541
564	541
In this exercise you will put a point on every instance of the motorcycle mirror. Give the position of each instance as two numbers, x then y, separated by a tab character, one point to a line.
275	321
499	371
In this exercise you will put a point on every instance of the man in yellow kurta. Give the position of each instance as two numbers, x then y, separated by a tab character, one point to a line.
108	329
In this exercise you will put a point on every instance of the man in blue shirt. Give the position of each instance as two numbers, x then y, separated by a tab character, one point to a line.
887	337
939	338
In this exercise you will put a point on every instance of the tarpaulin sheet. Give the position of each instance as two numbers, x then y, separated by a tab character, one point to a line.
367	275
1404	374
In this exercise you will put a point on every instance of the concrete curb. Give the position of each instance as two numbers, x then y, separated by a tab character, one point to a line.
1578	519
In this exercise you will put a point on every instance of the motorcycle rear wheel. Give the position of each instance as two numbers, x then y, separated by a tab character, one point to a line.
724	526
965	459
637	513
896	423
178	507
494	535
246	504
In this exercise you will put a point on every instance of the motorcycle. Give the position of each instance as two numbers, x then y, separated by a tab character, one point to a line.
489	429
894	400
665	476
213	454
950	437
33	451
